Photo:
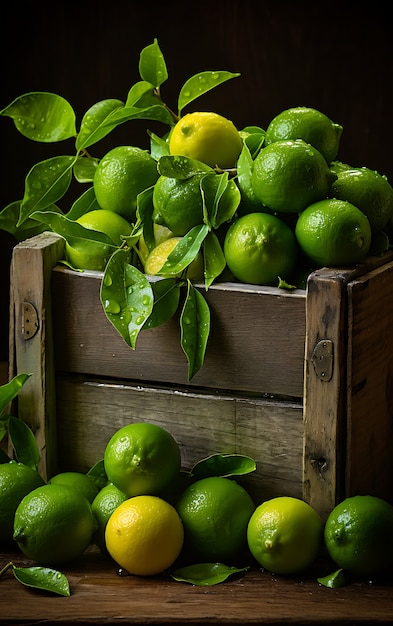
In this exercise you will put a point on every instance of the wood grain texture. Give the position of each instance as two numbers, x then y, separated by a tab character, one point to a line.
99	597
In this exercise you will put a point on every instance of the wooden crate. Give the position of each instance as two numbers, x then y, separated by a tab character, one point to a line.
301	381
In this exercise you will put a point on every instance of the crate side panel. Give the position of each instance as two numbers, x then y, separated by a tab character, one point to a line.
370	385
89	412
256	342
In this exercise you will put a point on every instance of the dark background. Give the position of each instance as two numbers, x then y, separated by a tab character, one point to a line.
336	57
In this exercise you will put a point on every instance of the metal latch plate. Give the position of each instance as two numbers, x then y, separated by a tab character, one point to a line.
30	323
322	359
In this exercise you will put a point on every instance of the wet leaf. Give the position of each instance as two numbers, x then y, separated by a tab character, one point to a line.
253	138
221	199
223	465
166	301
185	251
152	66
24	442
206	574
9	219
42	116
10	390
98	475
43	578
159	147
156	112
215	261
199	84
195	329
142	94
85	168
126	296
73	232
85	203
181	167
45	184
334	580
92	127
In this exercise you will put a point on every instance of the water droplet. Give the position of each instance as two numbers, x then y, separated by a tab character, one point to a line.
111	306
108	279
146	300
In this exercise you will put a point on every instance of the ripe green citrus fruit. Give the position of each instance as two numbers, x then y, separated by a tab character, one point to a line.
54	524
206	137
103	505
333	232
144	535
160	253
16	481
142	459
76	480
90	255
285	535
178	203
368	190
289	175
259	248
358	535
215	512
308	124
123	173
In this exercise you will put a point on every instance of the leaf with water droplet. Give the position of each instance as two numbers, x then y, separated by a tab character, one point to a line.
215	261
43	578
221	198
181	167
131	291
199	84
333	581
152	66
9	221
223	465
93	127
142	94
75	233
45	184
42	116
185	250
206	574
166	300
195	329
156	112
24	442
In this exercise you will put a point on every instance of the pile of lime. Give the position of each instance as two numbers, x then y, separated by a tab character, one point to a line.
152	517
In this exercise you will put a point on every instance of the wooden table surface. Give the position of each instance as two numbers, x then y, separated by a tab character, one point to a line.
100	596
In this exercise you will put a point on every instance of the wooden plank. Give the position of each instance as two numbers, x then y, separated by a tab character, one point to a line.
256	342
31	268
89	412
369	467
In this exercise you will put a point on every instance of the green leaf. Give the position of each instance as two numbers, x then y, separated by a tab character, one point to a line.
152	66
166	301
46	183
24	442
181	167
214	258
282	284
126	296
85	168
9	218
43	578
85	203
253	137
155	112
333	581
73	232
199	84
206	574
185	251
10	390
195	329
221	199
142	94
42	116
92	126
98	475
223	465
159	147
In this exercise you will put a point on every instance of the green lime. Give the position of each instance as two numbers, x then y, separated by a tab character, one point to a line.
309	124
285	535
206	137
123	173
367	189
178	203
76	480
54	524
259	248
16	481
215	512
142	458
103	505
289	175
358	535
